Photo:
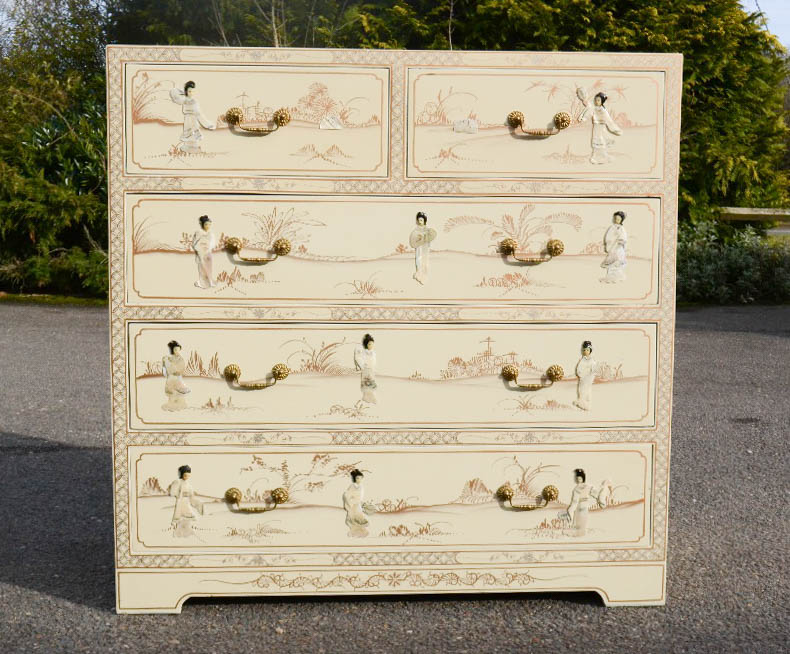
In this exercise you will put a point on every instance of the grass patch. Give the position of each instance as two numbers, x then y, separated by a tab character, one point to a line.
775	240
56	300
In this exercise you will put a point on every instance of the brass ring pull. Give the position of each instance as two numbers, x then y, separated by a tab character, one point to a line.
548	494
562	119
281	247
235	116
232	373
233	497
554	248
553	373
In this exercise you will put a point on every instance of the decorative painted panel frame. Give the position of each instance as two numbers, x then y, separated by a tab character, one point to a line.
352	249
303	150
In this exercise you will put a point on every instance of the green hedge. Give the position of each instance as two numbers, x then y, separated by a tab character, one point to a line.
67	272
744	268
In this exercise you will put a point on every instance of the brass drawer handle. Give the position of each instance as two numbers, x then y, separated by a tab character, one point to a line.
281	247
548	494
562	119
235	116
553	373
232	373
233	497
554	248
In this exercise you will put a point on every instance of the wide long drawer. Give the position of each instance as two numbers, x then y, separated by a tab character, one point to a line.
362	249
205	375
339	120
406	500
459	124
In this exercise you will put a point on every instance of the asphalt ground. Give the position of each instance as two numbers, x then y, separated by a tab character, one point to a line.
729	525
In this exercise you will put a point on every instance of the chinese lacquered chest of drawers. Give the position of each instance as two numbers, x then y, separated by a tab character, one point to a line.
391	321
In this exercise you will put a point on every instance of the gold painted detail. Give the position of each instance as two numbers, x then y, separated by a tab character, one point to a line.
233	497
232	373
562	119
235	117
554	248
553	374
281	247
390	579
549	494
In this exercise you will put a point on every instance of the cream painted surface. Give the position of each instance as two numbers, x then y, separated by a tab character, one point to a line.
413	500
426	376
440	96
164	591
356	249
355	97
446	430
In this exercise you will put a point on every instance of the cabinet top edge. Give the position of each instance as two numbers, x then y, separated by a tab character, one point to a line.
671	59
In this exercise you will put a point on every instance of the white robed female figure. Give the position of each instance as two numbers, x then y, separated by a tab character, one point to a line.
203	243
614	242
173	367
188	506
602	123
582	497
365	362
420	239
586	369
193	117
355	507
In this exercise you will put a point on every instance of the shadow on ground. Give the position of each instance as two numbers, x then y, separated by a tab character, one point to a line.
57	518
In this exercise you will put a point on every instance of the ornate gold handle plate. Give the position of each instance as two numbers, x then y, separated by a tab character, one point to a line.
281	247
235	117
549	494
562	119
232	373
233	497
553	373
554	248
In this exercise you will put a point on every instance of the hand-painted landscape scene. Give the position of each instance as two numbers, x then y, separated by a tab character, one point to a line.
337	120
615	124
357	250
391	376
410	500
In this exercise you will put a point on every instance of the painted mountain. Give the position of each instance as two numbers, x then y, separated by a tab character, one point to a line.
474	492
151	487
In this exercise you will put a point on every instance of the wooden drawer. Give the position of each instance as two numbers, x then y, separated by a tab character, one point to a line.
357	249
339	120
626	141
446	376
412	500
412	524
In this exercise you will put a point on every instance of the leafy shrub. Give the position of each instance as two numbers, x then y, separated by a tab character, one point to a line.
72	271
742	269
53	207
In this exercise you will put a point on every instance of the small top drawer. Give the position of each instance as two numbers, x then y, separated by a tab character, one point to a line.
580	123
176	120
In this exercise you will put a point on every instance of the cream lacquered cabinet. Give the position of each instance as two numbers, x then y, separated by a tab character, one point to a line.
262	445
